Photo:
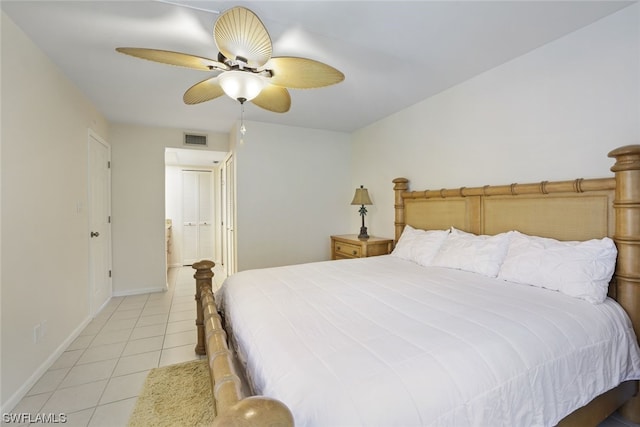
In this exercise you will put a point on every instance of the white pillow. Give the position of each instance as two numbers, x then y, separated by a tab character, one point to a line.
480	254
405	242
579	269
419	246
426	246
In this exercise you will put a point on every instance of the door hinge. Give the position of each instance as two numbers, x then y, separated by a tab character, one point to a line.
109	165
109	273
109	219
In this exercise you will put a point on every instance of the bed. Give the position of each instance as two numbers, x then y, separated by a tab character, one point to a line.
432	336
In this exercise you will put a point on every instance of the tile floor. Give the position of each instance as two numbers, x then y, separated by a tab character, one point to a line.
616	420
96	381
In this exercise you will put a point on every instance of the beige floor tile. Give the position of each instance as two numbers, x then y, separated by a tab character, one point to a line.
154	319
181	326
184	299
102	352
93	327
49	381
160	302
148	331
67	359
119	324
111	337
137	363
135	298
165	301
143	345
184	306
81	342
90	372
126	314
123	387
113	414
183	292
175	355
155	309
155	296
102	317
175	316
72	399
32	404
115	302
180	339
132	305
79	418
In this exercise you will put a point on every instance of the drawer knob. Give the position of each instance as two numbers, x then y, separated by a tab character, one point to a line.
338	247
355	252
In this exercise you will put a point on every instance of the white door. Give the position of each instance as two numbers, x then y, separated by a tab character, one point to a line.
189	217
197	216
228	193
205	216
99	199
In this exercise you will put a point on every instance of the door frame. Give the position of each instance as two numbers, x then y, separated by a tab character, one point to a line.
93	310
228	194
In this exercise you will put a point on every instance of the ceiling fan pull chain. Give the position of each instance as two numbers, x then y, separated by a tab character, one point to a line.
243	129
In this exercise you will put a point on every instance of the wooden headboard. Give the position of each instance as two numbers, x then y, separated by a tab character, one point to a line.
565	210
548	209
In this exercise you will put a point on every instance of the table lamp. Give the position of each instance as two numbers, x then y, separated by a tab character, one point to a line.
362	198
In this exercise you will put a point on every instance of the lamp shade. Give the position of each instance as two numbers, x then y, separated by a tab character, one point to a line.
241	85
361	197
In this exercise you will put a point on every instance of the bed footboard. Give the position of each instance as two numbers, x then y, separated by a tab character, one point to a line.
232	408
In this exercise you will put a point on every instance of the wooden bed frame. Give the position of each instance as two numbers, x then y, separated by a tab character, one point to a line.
566	210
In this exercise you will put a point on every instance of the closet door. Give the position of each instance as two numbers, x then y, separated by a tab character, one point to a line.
205	216
197	216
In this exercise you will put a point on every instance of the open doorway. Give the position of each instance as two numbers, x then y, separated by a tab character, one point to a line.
193	206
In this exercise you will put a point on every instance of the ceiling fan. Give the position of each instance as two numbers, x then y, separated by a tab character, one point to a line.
247	71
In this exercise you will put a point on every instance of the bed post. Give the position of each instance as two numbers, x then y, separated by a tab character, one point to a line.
227	397
400	186
203	276
627	238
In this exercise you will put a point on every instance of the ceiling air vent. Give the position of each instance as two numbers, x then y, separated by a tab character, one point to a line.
195	139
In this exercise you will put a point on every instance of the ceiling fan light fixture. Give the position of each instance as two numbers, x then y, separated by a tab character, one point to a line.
241	85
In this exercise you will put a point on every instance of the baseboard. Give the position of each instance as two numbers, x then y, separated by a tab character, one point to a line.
139	291
22	391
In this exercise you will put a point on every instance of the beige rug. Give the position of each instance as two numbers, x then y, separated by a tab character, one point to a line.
175	395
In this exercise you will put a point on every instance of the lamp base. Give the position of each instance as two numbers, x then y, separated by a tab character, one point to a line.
363	233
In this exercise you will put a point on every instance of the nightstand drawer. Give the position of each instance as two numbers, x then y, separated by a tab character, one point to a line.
350	246
345	249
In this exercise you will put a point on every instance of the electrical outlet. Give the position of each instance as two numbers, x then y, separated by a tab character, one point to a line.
37	332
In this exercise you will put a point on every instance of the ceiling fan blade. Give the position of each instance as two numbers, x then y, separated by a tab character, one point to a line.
204	91
302	73
273	98
239	34
174	58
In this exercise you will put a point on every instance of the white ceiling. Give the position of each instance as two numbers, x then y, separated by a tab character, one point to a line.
393	53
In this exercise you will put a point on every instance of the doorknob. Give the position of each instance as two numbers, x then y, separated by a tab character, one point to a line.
94	234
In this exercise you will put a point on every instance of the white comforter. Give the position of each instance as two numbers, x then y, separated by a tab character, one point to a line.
384	342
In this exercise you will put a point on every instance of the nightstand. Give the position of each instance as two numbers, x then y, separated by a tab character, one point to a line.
349	246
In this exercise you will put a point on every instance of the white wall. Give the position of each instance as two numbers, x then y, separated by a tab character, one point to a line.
138	203
293	192
45	231
551	114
